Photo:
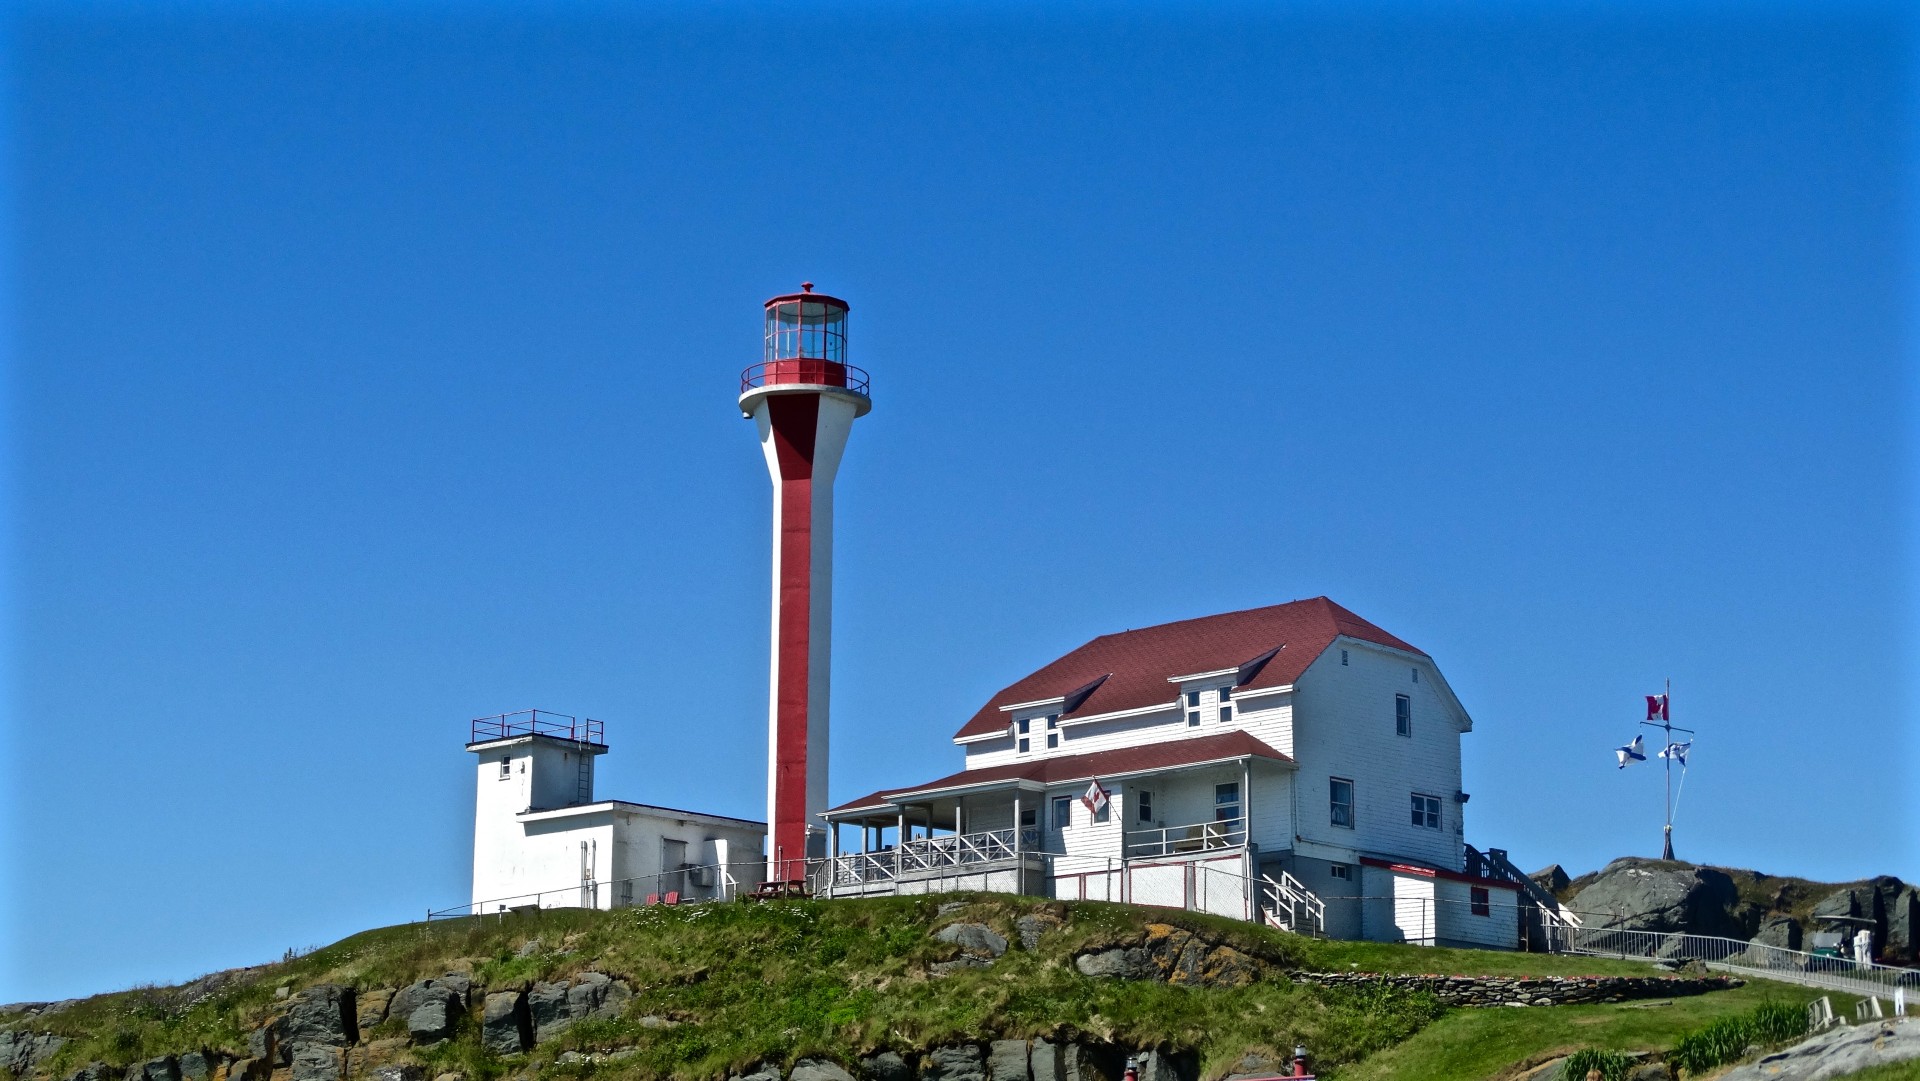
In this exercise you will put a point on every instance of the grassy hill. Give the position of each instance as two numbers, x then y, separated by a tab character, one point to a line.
720	988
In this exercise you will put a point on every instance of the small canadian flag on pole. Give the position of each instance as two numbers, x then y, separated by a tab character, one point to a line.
1657	707
1095	798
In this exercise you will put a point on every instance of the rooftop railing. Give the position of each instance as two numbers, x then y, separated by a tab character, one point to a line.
538	722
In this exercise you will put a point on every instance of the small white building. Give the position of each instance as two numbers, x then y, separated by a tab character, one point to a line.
1294	763
541	839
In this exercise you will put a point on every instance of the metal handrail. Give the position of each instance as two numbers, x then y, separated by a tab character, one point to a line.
538	722
1193	837
755	375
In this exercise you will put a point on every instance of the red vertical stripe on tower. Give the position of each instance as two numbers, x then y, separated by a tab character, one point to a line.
795	421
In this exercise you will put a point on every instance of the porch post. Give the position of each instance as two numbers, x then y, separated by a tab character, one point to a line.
900	831
1246	800
1016	822
866	828
956	816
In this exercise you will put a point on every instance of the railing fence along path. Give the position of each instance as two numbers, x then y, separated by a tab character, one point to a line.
1730	955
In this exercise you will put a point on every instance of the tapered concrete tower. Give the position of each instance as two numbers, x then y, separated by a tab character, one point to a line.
804	398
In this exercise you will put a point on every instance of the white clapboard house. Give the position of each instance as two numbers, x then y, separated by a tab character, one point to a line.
1294	763
542	839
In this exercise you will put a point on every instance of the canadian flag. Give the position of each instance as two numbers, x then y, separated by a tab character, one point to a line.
1656	707
1095	798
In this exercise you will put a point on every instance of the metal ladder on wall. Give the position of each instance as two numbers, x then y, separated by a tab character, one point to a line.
583	785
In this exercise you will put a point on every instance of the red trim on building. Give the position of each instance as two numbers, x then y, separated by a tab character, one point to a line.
1435	872
795	421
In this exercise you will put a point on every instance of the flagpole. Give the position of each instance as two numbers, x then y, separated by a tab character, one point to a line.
1666	714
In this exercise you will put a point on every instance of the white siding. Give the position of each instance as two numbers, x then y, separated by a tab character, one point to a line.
1499	929
1344	727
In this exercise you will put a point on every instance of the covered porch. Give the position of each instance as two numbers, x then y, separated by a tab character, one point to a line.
1068	825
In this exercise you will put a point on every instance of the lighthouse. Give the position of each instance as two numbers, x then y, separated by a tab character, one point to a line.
803	397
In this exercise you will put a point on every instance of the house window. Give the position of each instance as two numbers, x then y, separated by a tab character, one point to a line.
1340	801
1023	742
1062	812
1029	817
1053	740
1193	718
1053	733
1402	716
1226	801
1482	904
1144	800
1193	698
1339	870
1226	693
506	767
1416	675
1343	658
1426	811
1226	714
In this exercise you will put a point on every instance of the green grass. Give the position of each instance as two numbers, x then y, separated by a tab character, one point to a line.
746	984
1467	1045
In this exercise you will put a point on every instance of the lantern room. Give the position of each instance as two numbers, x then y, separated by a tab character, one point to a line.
805	345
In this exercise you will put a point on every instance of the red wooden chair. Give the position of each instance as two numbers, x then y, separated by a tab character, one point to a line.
673	897
653	898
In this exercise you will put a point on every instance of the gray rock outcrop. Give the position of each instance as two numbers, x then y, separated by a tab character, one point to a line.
814	1069
556	1006
1781	931
400	1072
23	1052
885	1066
321	1015
1046	1061
1174	955
1007	1060
1552	878
505	1025
1650	895
962	1062
975	938
164	1068
200	1065
1031	926
762	1073
317	1062
1841	1050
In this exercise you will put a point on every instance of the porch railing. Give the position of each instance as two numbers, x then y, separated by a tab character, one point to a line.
1196	837
934	854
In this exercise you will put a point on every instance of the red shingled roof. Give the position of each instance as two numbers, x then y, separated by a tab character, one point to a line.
1170	754
1132	667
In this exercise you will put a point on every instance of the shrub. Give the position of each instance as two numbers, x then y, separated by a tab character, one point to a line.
1727	1039
1613	1065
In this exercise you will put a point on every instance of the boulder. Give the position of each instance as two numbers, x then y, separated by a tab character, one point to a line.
1007	1060
1781	931
555	1006
1655	895
23	1052
370	1007
449	991
975	938
1837	1052
313	1061
1031	926
322	1014
93	1071
962	1062
505	1026
1903	925
405	1071
1157	1065
266	1045
885	1066
434	1020
1258	1064
1118	962
164	1068
1094	1062
250	1069
759	1073
1045	1062
199	1065
1552	878
815	1069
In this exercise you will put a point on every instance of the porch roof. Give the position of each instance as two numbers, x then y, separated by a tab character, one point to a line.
1062	769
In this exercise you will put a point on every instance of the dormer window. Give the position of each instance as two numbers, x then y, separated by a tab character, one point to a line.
1193	699
1226	693
1053	731
1022	742
1226	714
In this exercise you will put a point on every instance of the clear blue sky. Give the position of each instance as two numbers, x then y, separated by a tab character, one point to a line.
371	370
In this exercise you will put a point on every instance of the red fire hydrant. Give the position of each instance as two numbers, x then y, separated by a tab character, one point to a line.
1300	1061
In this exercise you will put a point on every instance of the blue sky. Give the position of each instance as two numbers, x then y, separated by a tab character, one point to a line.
372	369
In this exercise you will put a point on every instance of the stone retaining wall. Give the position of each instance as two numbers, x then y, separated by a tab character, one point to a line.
1528	991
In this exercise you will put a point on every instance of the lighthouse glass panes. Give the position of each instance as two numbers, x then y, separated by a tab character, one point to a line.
806	329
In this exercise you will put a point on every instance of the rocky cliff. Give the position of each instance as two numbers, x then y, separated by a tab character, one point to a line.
1672	896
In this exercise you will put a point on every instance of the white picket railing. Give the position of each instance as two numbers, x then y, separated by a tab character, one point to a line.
1289	905
1732	955
1192	837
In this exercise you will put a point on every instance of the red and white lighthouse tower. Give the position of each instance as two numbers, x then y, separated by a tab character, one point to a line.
804	397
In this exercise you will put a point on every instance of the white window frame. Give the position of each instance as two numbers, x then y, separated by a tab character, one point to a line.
1235	803
1334	805
506	766
1340	871
1430	811
1142	805
1053	731
1022	736
1403	716
1055	820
